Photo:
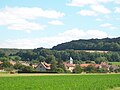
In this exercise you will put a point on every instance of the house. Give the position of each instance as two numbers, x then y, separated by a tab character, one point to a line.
69	66
43	67
105	65
25	63
112	68
34	65
12	62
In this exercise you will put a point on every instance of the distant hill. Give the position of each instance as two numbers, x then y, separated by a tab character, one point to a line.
105	44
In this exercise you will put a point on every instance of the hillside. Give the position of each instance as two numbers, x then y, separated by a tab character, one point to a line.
105	44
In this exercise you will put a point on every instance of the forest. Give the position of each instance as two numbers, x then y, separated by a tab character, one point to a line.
105	44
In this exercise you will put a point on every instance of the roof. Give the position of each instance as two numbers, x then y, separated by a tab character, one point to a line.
86	65
24	63
46	65
12	62
96	65
69	65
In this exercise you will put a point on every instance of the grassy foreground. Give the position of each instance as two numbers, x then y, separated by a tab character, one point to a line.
60	82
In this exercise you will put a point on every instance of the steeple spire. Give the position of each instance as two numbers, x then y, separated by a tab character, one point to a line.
71	60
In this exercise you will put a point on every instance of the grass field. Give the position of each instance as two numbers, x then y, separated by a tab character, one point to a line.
61	82
115	63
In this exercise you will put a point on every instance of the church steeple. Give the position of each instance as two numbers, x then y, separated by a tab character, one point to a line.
71	60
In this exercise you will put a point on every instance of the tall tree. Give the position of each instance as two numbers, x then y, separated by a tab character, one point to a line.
53	65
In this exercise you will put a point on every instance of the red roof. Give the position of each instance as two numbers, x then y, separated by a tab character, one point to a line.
96	65
86	65
69	65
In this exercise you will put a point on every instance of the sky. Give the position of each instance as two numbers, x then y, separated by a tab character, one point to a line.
29	24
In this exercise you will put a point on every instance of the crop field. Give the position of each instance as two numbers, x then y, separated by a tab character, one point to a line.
61	82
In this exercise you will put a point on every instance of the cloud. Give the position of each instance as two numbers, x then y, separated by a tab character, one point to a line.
96	34
24	18
96	7
48	42
87	13
29	26
79	3
75	34
56	22
108	25
31	13
100	9
105	1
117	9
96	10
117	1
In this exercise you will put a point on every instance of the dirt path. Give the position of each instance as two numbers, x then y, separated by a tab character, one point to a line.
46	74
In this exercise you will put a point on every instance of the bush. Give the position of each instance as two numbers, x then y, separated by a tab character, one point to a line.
90	69
59	70
77	69
8	69
102	70
67	71
27	69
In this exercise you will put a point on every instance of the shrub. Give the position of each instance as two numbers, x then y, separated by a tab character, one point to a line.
59	70
77	69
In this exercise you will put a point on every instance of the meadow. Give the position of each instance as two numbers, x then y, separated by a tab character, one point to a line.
115	63
61	82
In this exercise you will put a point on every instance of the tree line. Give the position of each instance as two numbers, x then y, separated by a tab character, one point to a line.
39	55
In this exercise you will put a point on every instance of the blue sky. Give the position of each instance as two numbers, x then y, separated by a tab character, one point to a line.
46	23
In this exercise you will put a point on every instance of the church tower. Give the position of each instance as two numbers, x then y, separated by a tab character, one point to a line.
71	60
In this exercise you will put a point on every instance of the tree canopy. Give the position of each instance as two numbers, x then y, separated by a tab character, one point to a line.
105	44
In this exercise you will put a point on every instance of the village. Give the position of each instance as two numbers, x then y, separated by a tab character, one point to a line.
63	67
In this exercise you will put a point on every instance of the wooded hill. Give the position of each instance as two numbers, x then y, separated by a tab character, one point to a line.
105	44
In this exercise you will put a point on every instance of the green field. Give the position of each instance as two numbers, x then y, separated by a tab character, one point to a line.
115	63
61	82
